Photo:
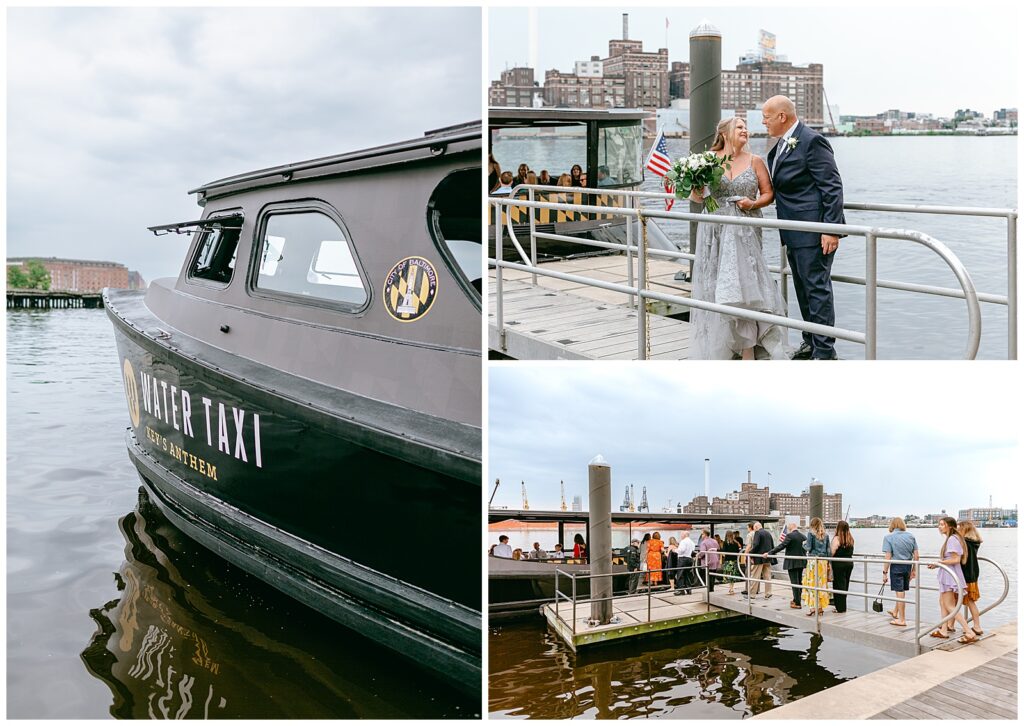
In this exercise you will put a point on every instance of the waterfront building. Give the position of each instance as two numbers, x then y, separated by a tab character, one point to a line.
84	275
645	73
570	90
991	516
1005	116
516	87
754	500
577	503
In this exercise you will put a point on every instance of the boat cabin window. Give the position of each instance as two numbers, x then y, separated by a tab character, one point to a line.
455	219
619	155
215	254
306	253
555	149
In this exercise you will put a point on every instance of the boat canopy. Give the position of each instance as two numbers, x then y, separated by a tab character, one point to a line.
438	142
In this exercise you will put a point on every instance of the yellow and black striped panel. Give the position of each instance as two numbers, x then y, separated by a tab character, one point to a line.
520	215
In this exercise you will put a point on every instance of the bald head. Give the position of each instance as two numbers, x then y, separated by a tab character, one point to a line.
778	114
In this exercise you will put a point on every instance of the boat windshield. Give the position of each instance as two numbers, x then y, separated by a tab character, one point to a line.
619	155
554	149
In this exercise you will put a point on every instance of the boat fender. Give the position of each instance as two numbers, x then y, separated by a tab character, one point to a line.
225	328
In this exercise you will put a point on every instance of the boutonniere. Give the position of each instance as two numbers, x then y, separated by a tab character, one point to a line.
791	143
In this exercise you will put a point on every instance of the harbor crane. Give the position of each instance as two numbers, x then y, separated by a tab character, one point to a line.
565	507
625	502
632	498
497	483
526	502
644	507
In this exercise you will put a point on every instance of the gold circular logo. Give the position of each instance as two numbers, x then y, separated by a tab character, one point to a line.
410	289
131	392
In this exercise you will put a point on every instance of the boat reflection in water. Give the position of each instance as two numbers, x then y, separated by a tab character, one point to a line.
191	636
732	671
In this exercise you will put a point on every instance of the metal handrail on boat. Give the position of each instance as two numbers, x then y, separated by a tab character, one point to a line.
865	559
871	282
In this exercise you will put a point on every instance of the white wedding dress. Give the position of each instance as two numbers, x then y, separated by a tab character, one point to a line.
730	269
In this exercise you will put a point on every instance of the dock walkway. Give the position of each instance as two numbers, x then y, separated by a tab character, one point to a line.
855	625
559	319
976	682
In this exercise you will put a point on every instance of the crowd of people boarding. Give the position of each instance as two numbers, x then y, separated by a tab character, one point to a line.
819	566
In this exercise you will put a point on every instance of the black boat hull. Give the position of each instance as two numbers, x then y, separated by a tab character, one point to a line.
320	504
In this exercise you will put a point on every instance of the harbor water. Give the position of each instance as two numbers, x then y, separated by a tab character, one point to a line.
963	171
113	612
721	671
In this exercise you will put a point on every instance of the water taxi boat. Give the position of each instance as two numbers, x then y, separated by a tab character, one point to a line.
304	397
606	144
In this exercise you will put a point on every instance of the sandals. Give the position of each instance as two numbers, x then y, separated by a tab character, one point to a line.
976	631
965	640
897	623
939	634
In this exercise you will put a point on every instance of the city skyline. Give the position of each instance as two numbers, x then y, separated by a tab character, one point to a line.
115	113
927	69
880	450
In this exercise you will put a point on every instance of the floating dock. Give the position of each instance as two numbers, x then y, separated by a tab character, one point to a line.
559	319
52	299
977	682
633	617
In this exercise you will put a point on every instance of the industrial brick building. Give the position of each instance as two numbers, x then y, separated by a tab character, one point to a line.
84	275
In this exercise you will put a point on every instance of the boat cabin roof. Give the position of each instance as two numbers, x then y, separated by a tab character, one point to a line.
450	139
534	515
510	116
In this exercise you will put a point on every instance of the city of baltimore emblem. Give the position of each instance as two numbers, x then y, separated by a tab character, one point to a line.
410	289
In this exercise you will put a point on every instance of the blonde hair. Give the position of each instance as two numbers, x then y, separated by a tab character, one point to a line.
818	527
897	523
969	531
673	541
724	129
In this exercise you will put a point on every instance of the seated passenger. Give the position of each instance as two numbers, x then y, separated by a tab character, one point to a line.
564	181
604	177
544	178
504	185
520	177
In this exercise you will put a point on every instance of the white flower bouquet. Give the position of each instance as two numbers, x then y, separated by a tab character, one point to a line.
702	171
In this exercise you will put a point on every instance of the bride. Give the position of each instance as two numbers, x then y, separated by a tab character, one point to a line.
730	268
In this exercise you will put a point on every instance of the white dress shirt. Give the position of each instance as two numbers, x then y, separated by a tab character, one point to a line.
780	147
685	548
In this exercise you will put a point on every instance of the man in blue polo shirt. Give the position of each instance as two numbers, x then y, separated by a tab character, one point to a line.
899	544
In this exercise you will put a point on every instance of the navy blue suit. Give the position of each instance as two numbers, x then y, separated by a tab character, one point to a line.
808	188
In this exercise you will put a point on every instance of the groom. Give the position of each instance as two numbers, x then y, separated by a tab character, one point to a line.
807	189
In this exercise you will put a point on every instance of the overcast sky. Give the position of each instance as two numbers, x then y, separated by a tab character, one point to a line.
928	59
113	114
893	438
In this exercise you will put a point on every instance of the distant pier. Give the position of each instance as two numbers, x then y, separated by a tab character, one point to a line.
52	299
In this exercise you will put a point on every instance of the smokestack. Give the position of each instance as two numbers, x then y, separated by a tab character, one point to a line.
707	481
600	545
625	26
748	476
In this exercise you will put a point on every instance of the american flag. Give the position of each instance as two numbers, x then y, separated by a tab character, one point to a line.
659	163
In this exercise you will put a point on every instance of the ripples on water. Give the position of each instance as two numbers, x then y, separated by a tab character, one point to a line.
111	611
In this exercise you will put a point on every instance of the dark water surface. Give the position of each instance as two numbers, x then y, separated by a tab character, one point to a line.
112	611
724	670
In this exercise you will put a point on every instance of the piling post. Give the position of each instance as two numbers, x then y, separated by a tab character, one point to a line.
817	500
600	518
705	99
